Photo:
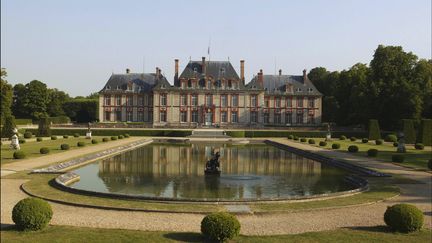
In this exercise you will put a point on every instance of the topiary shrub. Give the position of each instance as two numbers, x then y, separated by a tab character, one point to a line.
336	146
76	135
19	154
374	130
126	135
430	164
39	139
114	138
290	137
379	141
94	141
395	144
390	138
21	140
65	136
81	144
220	226
44	129
398	158
31	214
343	137
404	218
322	143
365	140
353	149
311	141
8	125
53	137
296	138
303	140
425	132
105	139
353	139
372	152
65	146
120	136
44	150
419	146
409	130
28	134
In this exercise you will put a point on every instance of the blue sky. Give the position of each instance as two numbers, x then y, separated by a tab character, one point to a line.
76	45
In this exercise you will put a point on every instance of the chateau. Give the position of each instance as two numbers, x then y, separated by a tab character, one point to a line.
210	93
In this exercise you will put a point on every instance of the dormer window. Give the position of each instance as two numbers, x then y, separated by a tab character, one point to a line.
298	90
163	86
195	69
129	87
309	89
118	87
108	87
222	71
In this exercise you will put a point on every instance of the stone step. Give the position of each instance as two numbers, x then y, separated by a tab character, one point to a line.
208	133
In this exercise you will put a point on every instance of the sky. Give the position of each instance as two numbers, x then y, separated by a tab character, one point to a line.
75	46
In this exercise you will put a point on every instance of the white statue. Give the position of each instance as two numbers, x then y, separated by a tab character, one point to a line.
88	133
15	142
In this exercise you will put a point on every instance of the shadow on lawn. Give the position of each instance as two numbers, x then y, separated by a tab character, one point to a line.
186	237
379	228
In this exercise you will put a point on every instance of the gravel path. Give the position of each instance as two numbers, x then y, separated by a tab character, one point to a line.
267	224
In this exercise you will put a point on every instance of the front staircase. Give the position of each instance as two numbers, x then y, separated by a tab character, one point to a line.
209	133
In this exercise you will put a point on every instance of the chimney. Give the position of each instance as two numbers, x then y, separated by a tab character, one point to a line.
203	64
176	66
280	72
261	78
304	76
127	70
157	73
242	78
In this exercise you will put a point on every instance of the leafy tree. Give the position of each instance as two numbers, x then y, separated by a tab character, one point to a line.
37	99
82	110
18	107
94	95
6	97
56	100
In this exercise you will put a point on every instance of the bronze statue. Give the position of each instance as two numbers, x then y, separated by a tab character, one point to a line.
213	165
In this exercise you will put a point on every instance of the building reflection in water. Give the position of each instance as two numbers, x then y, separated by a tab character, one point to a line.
253	171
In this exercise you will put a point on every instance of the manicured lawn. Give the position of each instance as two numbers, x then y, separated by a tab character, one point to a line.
77	234
413	157
31	148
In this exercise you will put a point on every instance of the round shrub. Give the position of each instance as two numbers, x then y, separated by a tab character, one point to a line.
19	154
342	137
53	137
126	135
379	141
336	146
94	141
322	143
21	140
430	164
419	146
64	146
311	141
290	137
65	136
220	226
120	136
76	135
28	135
404	218
353	139
365	140
31	214
353	149
395	144
372	152
39	139
113	138
44	150
391	138
296	138
105	139
81	144
398	158
303	140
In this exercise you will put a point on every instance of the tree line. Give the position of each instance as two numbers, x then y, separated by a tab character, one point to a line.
395	85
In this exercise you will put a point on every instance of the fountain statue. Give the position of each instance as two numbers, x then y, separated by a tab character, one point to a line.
213	166
14	140
401	143
88	133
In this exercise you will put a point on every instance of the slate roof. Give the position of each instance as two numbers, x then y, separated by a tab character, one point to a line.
216	69
143	82
276	84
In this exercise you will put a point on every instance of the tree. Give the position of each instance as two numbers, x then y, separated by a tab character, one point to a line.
82	110
37	99
57	99
9	125
374	130
6	97
18	107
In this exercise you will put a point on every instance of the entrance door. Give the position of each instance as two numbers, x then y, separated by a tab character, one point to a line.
208	118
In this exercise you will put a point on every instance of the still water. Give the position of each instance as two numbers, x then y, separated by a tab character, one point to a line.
177	171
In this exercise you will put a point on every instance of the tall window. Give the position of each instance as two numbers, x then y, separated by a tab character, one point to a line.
310	119
194	100
163	99
150	100
224	116
266	102
107	116
183	100
150	116
254	116
288	102
209	100
140	115
266	118
163	116
118	116
311	102
254	102
277	102
288	118
129	116
234	100
277	118
234	117
299	101
183	116
107	99
299	118
129	100
224	100
194	116
140	100
118	99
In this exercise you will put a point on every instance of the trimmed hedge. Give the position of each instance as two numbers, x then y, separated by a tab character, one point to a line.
65	146
343	137
236	134
76	135
372	152
120	136
296	138
374	130
391	138
39	139
395	144
21	141
59	119
112	132
65	136
126	135
353	149
409	130
81	144
404	218
44	129
291	136
322	143
425	132
419	146
23	121
220	226
353	139
19	154
44	150
365	140
303	140
53	137
94	141
379	141
105	139
114	138
311	141
398	158
336	146
28	134
31	214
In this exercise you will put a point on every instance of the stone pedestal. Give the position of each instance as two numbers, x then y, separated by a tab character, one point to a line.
89	135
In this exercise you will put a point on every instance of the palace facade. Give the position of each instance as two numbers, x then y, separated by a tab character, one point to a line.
210	93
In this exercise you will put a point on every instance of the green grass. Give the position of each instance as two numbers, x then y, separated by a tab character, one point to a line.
31	148
78	234
413	158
